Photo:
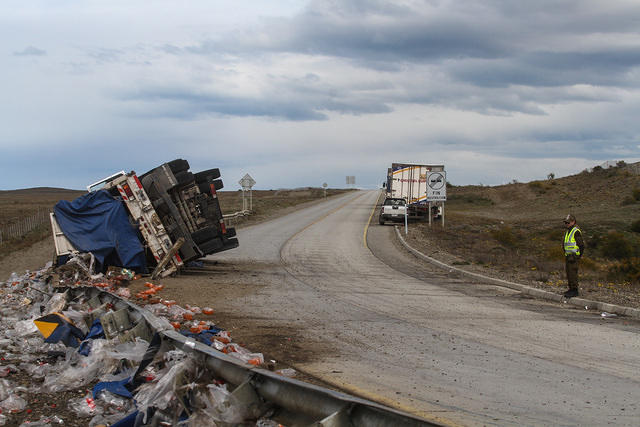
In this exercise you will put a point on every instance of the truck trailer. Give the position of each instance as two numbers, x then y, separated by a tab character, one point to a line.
409	182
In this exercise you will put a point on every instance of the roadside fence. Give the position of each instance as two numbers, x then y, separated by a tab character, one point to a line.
234	218
21	228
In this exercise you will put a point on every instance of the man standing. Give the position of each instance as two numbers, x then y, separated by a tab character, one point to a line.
573	246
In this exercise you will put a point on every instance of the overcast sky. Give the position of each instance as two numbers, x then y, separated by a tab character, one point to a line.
298	93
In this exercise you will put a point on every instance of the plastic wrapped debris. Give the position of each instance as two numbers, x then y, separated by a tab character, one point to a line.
286	372
5	389
13	403
243	354
24	328
85	406
44	421
608	315
56	303
220	405
173	382
38	370
5	370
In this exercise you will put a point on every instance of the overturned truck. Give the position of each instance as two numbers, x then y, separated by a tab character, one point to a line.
176	218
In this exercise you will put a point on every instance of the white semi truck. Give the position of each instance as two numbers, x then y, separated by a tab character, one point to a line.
409	182
177	212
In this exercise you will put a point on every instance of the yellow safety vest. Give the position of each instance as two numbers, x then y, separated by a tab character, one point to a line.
570	246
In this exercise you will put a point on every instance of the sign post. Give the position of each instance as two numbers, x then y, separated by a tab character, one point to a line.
406	219
246	183
436	191
324	186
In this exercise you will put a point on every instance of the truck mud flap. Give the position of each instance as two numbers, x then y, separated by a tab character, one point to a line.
171	374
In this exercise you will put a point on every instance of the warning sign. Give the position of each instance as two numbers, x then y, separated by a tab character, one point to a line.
436	186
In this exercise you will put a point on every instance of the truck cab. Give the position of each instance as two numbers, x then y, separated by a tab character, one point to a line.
393	209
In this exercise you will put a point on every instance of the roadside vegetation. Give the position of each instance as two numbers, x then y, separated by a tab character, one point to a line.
18	205
515	231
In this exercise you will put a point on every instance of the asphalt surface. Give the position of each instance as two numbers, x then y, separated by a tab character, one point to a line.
393	328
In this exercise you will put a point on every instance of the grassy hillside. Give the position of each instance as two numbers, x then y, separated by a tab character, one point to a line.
517	229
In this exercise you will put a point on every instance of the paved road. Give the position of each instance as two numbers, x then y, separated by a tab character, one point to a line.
404	333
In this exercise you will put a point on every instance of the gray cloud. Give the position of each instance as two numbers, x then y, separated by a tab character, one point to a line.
30	51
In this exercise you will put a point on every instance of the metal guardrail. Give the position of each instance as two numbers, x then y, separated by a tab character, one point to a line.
229	218
297	403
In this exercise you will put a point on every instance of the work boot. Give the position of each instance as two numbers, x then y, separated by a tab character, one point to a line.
571	293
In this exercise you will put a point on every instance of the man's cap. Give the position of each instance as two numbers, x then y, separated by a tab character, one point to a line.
569	218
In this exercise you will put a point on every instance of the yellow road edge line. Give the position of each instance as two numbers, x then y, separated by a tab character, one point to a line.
366	227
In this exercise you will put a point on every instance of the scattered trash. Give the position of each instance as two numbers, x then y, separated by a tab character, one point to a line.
608	315
86	341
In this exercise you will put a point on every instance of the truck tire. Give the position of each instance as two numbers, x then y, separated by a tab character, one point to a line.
381	220
184	177
206	189
204	234
208	175
211	246
178	165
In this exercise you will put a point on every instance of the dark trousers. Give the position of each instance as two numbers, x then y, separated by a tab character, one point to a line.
571	266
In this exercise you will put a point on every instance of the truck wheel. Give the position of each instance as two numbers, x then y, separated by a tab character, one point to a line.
208	175
381	221
211	246
183	177
204	234
205	189
178	165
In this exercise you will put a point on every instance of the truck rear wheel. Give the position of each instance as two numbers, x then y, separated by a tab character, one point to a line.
178	165
204	234
211	246
208	175
183	177
204	186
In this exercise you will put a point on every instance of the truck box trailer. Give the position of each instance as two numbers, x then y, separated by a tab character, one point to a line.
409	182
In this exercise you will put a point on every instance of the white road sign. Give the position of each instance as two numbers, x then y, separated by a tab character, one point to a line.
436	186
247	182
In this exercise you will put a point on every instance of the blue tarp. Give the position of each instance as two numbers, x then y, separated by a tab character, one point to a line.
98	223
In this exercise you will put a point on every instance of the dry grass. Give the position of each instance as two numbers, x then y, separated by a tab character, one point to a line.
16	205
516	230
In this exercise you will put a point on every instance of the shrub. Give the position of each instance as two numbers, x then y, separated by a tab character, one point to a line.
538	186
551	176
505	235
588	264
621	164
615	246
473	199
636	194
554	252
635	226
628	200
628	269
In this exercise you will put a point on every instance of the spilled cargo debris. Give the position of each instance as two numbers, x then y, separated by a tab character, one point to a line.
79	335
